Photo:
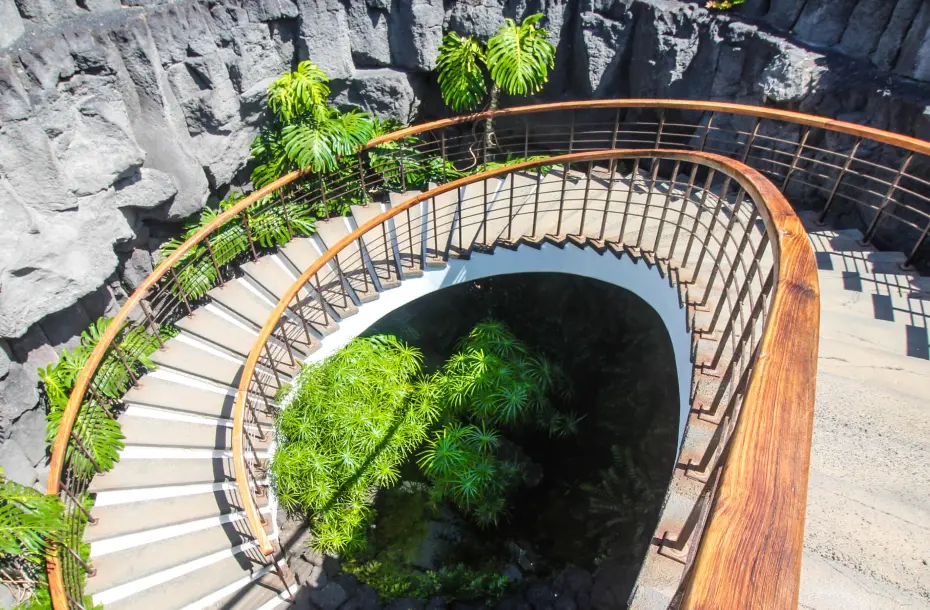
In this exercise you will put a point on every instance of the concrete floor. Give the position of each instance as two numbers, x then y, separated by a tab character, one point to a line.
867	535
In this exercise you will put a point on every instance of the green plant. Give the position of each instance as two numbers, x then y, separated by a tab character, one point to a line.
30	523
350	425
623	505
724	4
492	380
517	58
274	221
392	579
96	428
306	132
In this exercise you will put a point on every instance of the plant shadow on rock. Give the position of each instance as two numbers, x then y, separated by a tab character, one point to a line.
598	494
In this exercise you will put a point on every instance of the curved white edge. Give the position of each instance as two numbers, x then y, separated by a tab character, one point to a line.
638	278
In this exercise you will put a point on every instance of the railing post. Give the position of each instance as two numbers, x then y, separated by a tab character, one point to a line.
668	197
611	174
710	123
613	136
442	146
206	242
656	162
287	217
539	171
271	365
565	168
361	179
697	218
148	316
750	140
584	202
661	128
180	289
629	199
323	196
571	134
839	180
248	234
873	226
797	157
684	206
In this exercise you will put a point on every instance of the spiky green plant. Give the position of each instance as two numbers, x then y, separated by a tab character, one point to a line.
493	380
624	504
518	58
349	427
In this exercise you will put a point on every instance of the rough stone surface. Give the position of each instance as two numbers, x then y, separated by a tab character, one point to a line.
384	92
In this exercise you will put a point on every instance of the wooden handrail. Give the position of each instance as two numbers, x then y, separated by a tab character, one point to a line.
750	552
780	401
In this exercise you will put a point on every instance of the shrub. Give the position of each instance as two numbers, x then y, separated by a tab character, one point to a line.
493	380
350	425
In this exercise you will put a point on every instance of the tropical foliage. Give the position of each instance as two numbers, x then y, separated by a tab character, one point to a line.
305	132
724	4
350	425
29	523
517	58
96	428
392	579
493	380
624	503
273	222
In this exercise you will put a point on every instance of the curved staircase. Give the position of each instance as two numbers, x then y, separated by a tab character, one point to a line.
172	529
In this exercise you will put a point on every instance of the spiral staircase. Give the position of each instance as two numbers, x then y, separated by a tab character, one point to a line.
185	519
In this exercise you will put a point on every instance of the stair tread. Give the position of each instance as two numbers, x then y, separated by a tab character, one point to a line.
132	517
157	392
198	362
151	432
193	586
255	595
140	473
210	326
127	565
235	296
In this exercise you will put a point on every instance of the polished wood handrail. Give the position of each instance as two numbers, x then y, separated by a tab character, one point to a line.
782	402
752	545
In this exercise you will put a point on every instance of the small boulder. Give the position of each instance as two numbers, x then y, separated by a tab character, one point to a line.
329	597
405	603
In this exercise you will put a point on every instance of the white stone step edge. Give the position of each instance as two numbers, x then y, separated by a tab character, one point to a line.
145	452
145	411
119	592
123	542
117	497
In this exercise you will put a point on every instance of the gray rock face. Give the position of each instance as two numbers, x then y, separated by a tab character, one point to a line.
384	92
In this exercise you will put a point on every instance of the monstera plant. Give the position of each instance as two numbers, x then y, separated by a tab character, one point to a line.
517	59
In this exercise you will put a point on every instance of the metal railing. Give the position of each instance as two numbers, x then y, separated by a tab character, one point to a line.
839	167
718	229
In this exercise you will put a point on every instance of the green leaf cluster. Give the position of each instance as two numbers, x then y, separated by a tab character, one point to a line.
306	131
96	430
517	58
392	579
493	380
350	425
274	221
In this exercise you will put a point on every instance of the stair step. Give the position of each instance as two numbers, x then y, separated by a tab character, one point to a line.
349	259
889	307
190	589
378	244
861	262
144	473
198	362
236	297
258	595
154	391
147	514
141	560
209	325
897	339
149	432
